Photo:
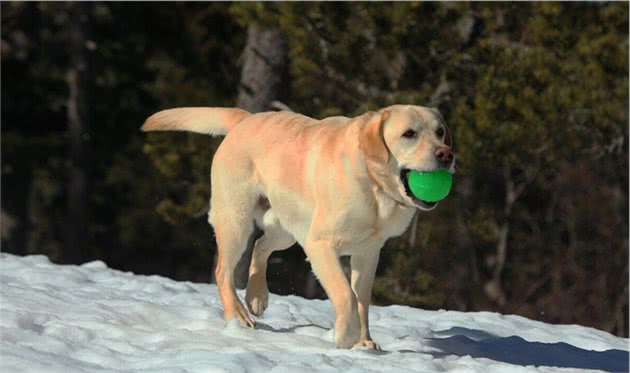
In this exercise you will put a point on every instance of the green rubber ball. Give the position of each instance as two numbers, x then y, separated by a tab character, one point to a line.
430	186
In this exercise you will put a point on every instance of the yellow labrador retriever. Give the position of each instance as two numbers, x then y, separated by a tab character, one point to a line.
337	186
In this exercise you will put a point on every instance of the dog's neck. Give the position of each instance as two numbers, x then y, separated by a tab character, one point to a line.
385	191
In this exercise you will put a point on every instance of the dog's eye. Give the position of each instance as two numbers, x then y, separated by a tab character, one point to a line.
439	132
410	134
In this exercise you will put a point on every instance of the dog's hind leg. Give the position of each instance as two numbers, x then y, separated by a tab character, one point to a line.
274	239
232	216
231	243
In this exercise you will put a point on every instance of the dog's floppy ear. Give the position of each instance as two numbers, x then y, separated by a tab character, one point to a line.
371	140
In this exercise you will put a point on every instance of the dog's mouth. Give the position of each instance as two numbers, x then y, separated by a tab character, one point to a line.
423	205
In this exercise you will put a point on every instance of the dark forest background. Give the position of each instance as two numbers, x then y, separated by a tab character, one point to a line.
536	95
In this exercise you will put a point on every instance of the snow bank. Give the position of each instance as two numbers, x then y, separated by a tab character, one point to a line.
91	318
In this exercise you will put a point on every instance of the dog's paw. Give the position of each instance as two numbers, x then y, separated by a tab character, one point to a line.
238	312
367	343
256	296
257	305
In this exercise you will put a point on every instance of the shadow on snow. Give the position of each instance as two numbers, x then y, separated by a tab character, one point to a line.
515	350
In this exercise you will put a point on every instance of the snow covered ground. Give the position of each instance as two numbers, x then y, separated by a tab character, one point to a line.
91	318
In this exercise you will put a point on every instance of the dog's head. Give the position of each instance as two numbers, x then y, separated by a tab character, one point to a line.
401	138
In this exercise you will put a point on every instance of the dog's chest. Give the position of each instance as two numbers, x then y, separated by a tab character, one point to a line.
393	218
388	220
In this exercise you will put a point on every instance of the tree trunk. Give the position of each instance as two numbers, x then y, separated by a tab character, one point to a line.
494	288
78	79
464	240
264	79
265	69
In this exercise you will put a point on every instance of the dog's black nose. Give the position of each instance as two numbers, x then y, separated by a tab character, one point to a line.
444	154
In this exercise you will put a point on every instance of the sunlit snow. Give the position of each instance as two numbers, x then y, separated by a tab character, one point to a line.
91	318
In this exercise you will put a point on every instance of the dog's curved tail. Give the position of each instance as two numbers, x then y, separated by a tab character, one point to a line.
213	121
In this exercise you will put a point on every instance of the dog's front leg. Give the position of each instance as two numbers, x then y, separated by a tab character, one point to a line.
363	270
325	263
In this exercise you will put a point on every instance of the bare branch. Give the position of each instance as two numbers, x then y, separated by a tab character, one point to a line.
279	106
